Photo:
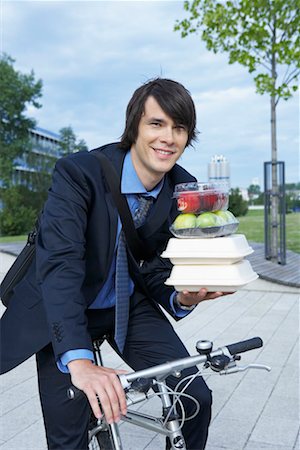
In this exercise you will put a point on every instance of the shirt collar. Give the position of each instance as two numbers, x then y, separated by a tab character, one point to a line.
131	184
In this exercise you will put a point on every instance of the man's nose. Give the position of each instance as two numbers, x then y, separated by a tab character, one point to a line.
167	135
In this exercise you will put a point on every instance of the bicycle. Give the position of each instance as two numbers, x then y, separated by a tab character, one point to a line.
137	386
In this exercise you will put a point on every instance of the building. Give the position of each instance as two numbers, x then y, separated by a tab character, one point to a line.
219	171
40	159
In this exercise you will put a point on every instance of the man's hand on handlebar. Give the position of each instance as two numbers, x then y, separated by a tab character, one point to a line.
187	298
100	384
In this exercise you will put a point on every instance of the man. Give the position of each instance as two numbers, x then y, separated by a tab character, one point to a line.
70	294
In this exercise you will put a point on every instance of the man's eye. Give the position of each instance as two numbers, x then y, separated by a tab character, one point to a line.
180	127
156	124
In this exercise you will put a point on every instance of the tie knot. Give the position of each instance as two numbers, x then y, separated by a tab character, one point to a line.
140	215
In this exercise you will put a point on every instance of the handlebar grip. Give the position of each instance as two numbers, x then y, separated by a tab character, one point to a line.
244	346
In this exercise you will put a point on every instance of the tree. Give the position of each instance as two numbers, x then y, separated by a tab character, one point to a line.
21	203
69	143
253	191
18	214
17	92
263	36
237	205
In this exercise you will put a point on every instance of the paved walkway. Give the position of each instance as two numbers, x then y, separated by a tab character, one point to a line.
288	274
252	410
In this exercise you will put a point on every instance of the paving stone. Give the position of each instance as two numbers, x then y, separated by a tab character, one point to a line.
263	446
282	406
297	443
134	438
246	408
157	443
17	421
277	431
213	447
24	372
32	438
229	433
20	394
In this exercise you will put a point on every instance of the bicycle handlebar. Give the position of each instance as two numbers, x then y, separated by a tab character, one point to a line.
244	346
164	370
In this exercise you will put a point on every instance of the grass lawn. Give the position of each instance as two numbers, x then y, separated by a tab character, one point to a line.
7	239
252	225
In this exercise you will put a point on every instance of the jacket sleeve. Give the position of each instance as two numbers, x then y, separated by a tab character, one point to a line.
61	257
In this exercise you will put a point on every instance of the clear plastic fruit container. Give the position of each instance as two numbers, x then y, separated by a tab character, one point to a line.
207	232
205	225
197	197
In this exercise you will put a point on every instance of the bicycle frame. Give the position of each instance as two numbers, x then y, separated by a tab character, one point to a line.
171	427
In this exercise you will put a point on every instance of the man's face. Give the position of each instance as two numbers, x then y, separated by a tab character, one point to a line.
159	144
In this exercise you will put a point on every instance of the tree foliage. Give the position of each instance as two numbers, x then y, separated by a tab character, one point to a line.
17	92
255	33
21	203
237	205
69	142
19	212
254	189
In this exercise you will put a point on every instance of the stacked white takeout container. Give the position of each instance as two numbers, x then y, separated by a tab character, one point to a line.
216	264
211	257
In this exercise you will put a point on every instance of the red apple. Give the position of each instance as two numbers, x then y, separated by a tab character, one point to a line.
223	201
188	202
208	201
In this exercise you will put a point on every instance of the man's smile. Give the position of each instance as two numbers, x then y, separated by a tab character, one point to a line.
165	152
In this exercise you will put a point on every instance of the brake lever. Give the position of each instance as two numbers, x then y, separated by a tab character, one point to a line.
236	369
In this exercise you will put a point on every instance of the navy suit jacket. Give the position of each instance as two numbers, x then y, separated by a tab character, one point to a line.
73	255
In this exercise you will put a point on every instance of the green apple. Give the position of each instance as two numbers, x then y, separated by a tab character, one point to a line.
226	216
231	217
206	220
184	221
222	216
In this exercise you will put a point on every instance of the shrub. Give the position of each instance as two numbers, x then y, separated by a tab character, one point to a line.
15	217
17	221
237	205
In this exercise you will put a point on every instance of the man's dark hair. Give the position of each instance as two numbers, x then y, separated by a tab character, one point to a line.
173	98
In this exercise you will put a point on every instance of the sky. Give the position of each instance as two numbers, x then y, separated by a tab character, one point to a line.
92	55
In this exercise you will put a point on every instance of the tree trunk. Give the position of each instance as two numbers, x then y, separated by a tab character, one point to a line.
274	196
274	193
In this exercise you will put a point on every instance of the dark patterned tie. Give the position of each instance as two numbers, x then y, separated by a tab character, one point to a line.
141	213
122	275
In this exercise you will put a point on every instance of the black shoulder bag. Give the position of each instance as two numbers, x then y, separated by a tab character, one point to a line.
18	269
20	266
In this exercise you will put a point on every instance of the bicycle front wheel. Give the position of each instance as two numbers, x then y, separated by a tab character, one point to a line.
102	441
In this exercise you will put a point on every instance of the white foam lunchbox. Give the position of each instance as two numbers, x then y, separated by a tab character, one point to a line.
219	277
222	250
